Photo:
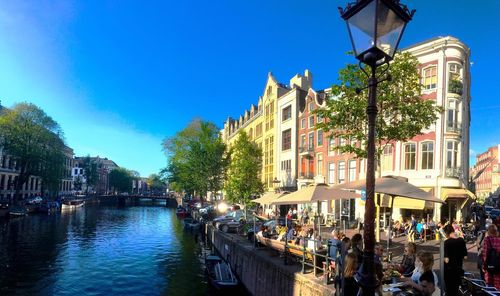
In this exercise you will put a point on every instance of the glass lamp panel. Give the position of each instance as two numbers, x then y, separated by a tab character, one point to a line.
362	28
389	28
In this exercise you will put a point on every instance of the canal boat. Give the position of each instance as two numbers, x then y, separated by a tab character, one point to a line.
219	274
18	211
72	204
191	224
181	212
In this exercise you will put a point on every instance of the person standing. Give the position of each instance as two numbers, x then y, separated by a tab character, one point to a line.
455	251
479	244
492	241
349	285
413	229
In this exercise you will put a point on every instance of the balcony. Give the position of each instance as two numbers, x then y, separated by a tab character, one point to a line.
306	150
309	176
455	87
454	172
453	127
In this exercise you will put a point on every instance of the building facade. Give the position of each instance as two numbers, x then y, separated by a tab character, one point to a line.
436	161
485	175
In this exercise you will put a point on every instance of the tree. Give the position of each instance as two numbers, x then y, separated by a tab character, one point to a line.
403	113
243	179
197	160
155	183
120	179
34	141
90	172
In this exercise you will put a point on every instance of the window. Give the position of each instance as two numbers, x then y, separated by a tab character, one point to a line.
311	141
319	118
331	173
320	138
387	159
341	141
452	112
410	155
286	165
341	176
287	113
455	70
319	157
302	141
429	77
311	106
286	139
311	121
258	130
250	134
352	170
331	146
427	155
451	154
76	171
303	123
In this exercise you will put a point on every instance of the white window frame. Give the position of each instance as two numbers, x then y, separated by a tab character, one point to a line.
303	123
428	68
318	132
310	125
405	156
341	172
352	170
319	164
422	158
455	154
331	173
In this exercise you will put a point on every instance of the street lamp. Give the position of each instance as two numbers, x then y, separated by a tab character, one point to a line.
276	181
375	29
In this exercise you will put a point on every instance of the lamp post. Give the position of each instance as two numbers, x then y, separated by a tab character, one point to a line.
375	29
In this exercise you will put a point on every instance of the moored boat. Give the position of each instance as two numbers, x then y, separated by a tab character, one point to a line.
219	273
191	224
72	204
181	212
18	211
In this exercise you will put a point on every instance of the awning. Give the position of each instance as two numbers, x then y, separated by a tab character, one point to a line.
268	197
405	203
456	193
461	194
313	193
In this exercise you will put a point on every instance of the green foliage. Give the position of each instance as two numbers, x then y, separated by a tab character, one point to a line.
197	161
402	115
120	179
455	86
35	142
243	180
90	167
155	183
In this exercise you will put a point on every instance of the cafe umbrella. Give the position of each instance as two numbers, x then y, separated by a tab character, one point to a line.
393	186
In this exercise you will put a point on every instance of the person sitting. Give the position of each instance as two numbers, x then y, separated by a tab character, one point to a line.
408	262
424	280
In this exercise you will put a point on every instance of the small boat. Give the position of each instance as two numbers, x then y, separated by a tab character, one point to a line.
181	212
219	273
72	204
191	224
18	211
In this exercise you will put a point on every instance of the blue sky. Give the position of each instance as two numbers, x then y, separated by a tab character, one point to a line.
120	76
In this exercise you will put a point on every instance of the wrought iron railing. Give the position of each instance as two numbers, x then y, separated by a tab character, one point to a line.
455	172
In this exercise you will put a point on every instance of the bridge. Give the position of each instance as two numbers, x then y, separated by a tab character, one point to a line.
170	201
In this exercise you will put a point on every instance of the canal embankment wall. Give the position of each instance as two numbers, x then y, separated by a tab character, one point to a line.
262	273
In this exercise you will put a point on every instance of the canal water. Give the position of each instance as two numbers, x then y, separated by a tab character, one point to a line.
101	250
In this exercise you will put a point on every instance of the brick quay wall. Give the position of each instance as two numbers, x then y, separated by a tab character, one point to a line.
262	271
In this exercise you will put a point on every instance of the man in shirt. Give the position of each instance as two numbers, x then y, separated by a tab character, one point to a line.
455	251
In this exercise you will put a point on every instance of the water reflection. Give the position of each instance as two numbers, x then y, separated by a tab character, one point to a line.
100	250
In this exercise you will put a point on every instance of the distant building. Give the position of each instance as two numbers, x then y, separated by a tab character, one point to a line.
485	175
104	167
